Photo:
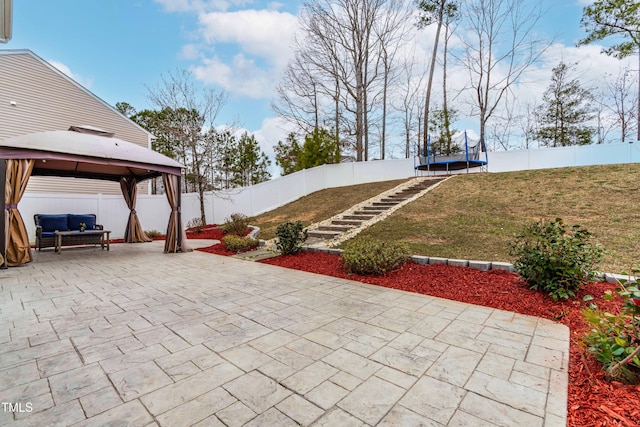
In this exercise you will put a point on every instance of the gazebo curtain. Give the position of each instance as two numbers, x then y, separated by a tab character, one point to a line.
176	240
134	232
18	250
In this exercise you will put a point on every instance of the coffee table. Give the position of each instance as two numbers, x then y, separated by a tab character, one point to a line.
82	238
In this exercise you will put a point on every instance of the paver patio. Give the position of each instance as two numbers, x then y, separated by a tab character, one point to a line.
142	338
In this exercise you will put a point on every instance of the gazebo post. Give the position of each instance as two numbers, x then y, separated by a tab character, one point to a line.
179	224
3	213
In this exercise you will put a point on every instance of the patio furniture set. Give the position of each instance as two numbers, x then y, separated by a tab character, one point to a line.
58	230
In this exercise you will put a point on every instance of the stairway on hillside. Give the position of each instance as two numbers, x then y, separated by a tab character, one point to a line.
365	214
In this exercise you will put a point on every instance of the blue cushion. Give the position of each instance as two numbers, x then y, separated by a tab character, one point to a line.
75	220
53	222
48	234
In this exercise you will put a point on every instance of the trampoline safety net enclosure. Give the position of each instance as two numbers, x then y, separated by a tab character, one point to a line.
464	152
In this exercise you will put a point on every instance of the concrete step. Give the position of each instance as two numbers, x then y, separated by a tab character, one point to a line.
363	216
256	255
394	199
323	234
346	222
382	204
376	208
339	228
369	212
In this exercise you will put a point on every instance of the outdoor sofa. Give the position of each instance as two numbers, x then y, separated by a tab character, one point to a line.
48	225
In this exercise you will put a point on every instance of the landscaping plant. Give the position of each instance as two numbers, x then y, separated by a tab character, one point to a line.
555	259
196	225
236	224
290	237
239	243
153	233
615	338
368	256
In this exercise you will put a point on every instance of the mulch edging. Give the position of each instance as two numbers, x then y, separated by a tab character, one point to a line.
593	401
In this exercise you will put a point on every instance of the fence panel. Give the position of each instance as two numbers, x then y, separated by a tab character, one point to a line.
507	161
602	154
112	212
315	179
338	175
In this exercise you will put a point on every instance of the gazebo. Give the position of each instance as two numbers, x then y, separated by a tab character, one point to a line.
83	152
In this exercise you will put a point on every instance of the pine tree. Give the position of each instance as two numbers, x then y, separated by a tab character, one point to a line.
565	112
251	165
319	148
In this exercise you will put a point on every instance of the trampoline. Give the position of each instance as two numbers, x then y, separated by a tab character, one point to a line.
464	153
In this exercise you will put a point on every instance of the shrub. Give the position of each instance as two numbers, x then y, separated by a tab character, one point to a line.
196	225
239	243
555	260
290	237
236	224
153	233
368	256
615	339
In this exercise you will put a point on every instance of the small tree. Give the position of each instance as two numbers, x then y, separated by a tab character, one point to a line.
251	165
565	111
320	147
287	154
441	133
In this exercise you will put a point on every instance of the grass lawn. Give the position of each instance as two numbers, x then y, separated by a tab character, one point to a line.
475	216
320	205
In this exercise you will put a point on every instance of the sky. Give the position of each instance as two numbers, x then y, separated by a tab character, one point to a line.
119	49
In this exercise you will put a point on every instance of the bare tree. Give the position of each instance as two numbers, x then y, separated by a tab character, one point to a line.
408	101
194	112
500	46
620	100
298	94
343	64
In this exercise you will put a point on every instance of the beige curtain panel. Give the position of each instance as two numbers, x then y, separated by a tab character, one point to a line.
18	248
134	232
176	240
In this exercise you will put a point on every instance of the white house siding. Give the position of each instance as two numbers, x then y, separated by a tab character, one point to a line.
45	99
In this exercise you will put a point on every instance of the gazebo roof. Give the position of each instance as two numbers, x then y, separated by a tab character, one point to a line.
87	152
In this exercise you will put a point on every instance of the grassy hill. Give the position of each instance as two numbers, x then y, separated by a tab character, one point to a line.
320	205
475	216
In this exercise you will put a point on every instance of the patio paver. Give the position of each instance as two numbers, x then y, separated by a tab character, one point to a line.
137	336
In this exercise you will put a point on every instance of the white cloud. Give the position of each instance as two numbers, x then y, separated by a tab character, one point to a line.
87	82
263	33
240	77
200	5
251	48
190	52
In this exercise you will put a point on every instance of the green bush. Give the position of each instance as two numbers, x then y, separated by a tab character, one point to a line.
615	338
368	256
555	260
239	243
290	237
236	224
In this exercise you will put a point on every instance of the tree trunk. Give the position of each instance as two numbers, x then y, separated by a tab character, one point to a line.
431	71
445	105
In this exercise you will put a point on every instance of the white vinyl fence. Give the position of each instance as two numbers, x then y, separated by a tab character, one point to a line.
153	210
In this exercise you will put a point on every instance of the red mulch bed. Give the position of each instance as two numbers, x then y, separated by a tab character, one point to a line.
593	401
211	231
